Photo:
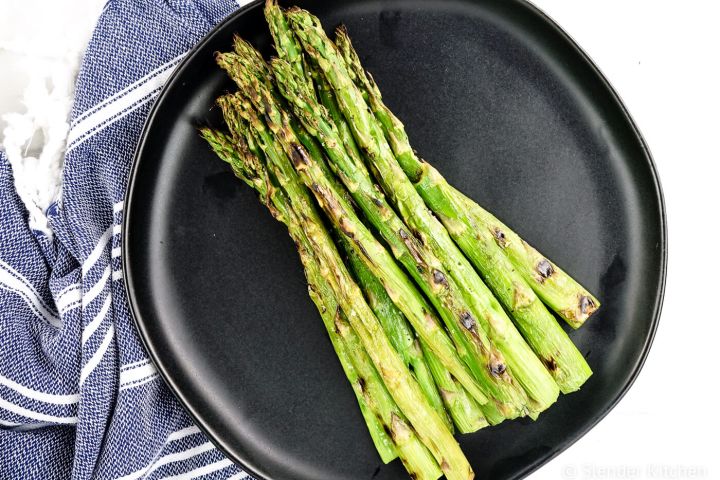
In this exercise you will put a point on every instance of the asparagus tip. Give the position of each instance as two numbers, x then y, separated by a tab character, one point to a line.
342	30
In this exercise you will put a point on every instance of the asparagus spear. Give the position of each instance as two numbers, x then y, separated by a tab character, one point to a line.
562	293
549	341
458	401
398	380
485	309
381	414
556	288
464	411
414	301
327	99
420	263
414	455
398	331
408	349
382	441
245	57
287	45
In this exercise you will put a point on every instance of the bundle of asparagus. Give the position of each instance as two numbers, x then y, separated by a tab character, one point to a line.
437	311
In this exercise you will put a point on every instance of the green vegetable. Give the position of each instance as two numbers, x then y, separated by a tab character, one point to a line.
311	130
398	331
563	294
465	412
419	262
478	242
286	44
401	385
388	427
485	314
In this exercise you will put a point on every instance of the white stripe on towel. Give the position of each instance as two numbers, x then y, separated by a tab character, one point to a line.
97	356
57	399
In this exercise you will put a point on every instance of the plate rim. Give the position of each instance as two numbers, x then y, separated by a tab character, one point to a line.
167	377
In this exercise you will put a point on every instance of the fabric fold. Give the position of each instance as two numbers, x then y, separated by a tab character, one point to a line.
79	397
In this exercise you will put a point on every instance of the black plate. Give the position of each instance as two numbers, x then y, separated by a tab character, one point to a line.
512	112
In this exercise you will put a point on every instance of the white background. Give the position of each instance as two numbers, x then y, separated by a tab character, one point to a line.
663	58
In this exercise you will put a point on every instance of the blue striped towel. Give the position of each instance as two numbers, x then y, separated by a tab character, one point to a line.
79	398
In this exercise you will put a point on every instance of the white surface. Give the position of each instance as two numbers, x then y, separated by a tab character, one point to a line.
41	44
662	57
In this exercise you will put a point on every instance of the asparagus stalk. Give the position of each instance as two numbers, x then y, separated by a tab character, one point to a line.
399	382
547	339
422	311
457	400
287	45
562	293
465	412
246	58
398	331
381	414
327	98
460	404
414	455
420	263
485	309
556	288
382	441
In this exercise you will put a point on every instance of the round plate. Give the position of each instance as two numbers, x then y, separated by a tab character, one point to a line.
512	112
